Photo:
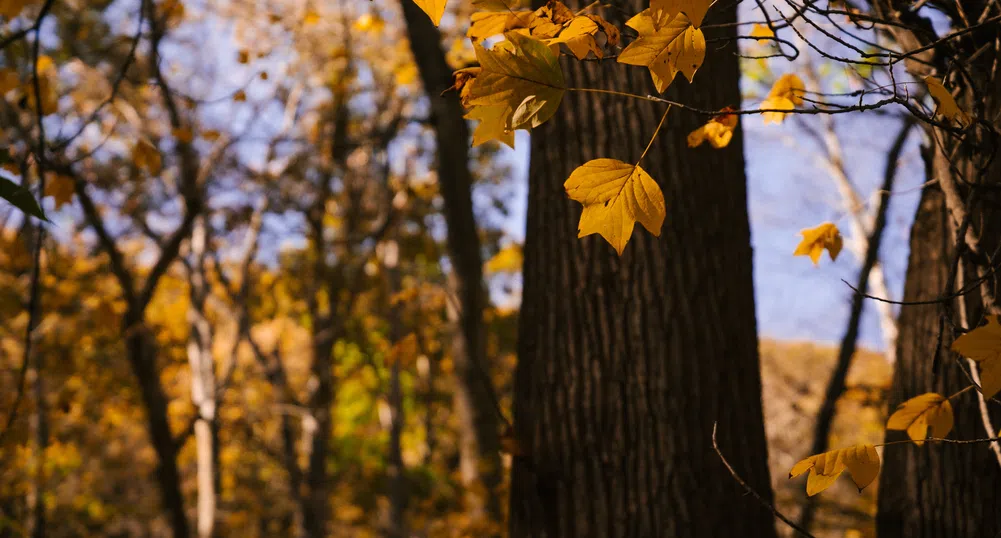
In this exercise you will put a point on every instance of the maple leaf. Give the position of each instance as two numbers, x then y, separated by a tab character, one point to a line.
786	93
61	189
434	9
615	196
718	131
676	47
492	124
522	82
983	345
815	240
922	414
861	461
694	10
490	23
945	104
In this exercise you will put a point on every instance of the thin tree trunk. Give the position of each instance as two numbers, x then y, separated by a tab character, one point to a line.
626	362
849	343
480	462
203	384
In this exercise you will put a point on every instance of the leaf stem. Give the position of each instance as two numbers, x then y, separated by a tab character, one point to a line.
938	440
622	94
654	137
957	393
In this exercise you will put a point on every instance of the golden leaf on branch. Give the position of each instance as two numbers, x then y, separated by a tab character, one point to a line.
861	461
921	415
676	47
983	345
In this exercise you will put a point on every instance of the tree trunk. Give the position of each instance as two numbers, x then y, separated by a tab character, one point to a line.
626	363
942	489
203	385
480	462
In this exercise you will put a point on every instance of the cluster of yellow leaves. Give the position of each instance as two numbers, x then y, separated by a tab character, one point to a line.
786	93
983	345
861	461
615	195
718	131
921	415
815	240
553	24
519	85
665	48
945	103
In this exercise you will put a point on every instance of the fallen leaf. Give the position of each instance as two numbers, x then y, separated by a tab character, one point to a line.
815	240
861	461
615	196
921	415
676	47
983	345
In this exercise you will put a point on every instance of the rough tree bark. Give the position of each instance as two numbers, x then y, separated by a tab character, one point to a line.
479	460
944	489
625	363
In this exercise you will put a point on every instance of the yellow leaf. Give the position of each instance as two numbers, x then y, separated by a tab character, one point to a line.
945	103
762	32
694	10
12	8
405	350
525	82
490	23
815	240
718	131
147	157
922	414
983	345
861	461
434	8
243	56
507	260
211	135
676	47
370	22
615	195
579	37
493	124
9	80
183	135
786	93
240	96
61	189
310	18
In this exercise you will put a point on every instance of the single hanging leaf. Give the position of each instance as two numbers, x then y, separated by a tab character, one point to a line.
695	10
434	9
718	131
676	47
815	240
147	157
921	415
945	104
61	189
861	461
786	93
20	198
525	82
983	345
615	196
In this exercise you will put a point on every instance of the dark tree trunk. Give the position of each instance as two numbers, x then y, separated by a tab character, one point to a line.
944	489
625	363
478	444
